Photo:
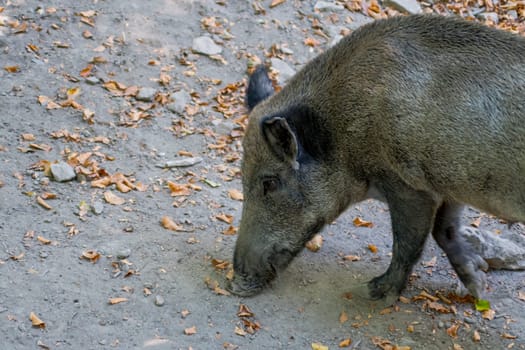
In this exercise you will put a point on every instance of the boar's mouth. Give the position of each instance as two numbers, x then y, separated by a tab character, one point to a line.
249	283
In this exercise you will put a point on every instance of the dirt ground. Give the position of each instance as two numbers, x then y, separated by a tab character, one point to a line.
99	270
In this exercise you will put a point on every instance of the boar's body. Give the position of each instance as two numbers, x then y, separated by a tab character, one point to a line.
424	112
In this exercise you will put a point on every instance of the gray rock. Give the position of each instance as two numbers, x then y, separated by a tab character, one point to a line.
512	14
92	80
224	127
285	71
159	300
146	94
205	46
123	253
181	99
62	172
327	6
500	253
97	208
489	16
410	6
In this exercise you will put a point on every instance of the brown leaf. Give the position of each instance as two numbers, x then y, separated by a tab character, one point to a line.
225	218
452	331
276	3
240	331
35	321
43	240
112	198
508	336
220	264
476	337
521	295
358	222
235	195
488	314
476	222
230	231
352	257
190	331
345	343
91	255
28	137
86	72
113	301
372	248
12	69
315	243
343	317
169	224
178	189
244	311
43	203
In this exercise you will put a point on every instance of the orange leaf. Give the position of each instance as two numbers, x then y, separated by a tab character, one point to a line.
112	198
113	301
43	240
276	3
43	203
345	343
178	189
169	224
35	321
352	257
190	331
236	195
315	243
372	248
86	71
91	255
358	222
12	69
452	331
343	317
230	231
225	218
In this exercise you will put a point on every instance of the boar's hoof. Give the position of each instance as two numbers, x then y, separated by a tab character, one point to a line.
380	287
243	287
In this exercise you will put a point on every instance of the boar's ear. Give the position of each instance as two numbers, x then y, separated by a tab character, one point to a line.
259	88
281	139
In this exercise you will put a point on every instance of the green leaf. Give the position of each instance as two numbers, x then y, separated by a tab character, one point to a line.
482	305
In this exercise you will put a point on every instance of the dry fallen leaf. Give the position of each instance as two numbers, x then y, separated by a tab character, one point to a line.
169	224
319	346
236	195
488	314
240	331
230	231
276	3
112	198
358	222
351	258
12	69
43	203
508	336
35	321
225	218
315	243
91	255
345	343
113	301
343	317
43	240
452	331
476	337
521	295
372	248
244	311
190	330
28	137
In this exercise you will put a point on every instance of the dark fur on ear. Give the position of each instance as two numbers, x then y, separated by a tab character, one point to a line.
259	87
314	140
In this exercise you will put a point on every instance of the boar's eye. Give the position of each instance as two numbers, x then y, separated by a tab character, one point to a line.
270	184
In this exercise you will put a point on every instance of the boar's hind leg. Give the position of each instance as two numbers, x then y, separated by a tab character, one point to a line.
412	214
468	265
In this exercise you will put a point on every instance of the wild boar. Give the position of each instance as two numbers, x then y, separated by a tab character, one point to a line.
426	113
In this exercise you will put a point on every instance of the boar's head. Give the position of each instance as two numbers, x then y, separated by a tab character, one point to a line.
291	188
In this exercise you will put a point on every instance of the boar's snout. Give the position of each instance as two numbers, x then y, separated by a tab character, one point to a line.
255	269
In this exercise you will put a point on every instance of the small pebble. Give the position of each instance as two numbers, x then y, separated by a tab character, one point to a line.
62	172
159	300
97	208
124	253
146	94
92	80
441	324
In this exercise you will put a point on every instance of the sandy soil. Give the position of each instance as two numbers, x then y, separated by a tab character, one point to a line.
69	83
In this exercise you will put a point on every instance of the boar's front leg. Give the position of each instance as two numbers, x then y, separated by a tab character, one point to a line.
468	265
412	213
